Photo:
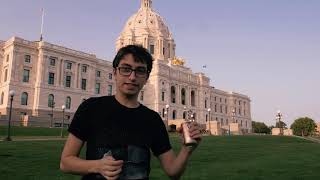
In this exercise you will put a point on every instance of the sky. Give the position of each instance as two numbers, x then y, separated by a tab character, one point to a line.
266	49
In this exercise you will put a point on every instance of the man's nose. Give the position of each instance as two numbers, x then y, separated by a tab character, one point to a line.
132	75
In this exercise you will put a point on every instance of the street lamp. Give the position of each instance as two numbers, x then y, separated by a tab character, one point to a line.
167	112
233	118
62	125
11	93
52	106
278	117
209	110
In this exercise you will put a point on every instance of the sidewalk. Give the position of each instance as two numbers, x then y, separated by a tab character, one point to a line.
34	138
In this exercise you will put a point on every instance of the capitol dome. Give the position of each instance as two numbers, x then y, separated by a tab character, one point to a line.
147	28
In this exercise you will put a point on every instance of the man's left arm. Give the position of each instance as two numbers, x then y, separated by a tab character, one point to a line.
173	165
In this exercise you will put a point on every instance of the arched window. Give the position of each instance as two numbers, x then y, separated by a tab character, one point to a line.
68	102
174	114
173	94
205	103
51	101
24	98
183	96
192	98
2	97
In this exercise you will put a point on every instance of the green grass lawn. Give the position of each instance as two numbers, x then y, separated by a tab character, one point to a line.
234	157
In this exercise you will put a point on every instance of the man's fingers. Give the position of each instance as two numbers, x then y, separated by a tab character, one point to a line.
112	174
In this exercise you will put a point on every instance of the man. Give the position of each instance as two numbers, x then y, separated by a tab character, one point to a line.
119	131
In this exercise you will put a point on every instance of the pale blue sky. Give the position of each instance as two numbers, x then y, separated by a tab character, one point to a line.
266	49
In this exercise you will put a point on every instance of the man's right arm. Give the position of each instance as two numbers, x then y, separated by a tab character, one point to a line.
71	163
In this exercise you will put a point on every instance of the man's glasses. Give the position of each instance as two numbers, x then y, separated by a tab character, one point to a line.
139	72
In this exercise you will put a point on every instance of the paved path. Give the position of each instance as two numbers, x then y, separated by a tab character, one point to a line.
41	138
309	139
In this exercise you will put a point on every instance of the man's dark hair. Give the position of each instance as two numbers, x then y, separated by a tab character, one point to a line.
139	53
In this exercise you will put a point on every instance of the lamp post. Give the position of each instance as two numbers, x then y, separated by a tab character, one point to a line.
8	138
278	117
233	118
167	112
63	107
209	110
52	106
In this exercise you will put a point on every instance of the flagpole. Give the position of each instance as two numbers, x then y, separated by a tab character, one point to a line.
42	24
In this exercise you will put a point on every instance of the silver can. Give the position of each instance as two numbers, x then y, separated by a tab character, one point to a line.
188	141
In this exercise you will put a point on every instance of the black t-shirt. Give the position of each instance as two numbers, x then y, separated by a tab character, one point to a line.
108	127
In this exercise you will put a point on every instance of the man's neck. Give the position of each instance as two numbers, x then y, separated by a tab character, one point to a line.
128	101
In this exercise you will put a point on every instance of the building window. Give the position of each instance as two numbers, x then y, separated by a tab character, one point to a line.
205	103
51	101
2	98
193	99
239	103
174	114
83	84
183	96
98	73
84	68
173	94
52	61
8	58
184	115
220	99
109	90
51	78
141	95
239	111
215	98
68	102
162	96
220	108
110	76
68	65
225	101
68	81
97	89
27	58
24	98
215	108
5	75
163	112
26	73
226	109
163	51
151	49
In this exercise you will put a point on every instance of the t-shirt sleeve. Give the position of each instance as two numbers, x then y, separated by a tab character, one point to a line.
160	138
79	124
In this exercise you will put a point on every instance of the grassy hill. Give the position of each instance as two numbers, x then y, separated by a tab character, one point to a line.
224	157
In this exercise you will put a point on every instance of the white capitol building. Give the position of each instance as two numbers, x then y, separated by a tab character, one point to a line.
46	76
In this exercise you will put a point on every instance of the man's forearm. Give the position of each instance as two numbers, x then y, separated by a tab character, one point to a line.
76	165
180	163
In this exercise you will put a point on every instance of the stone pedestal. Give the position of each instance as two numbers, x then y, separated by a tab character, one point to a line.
235	129
214	128
287	132
277	131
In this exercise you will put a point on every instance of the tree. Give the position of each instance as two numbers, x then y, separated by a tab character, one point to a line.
283	125
260	127
303	126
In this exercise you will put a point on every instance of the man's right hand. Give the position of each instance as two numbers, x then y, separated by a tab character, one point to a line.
110	168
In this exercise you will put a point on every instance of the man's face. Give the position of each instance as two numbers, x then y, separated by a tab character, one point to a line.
128	82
